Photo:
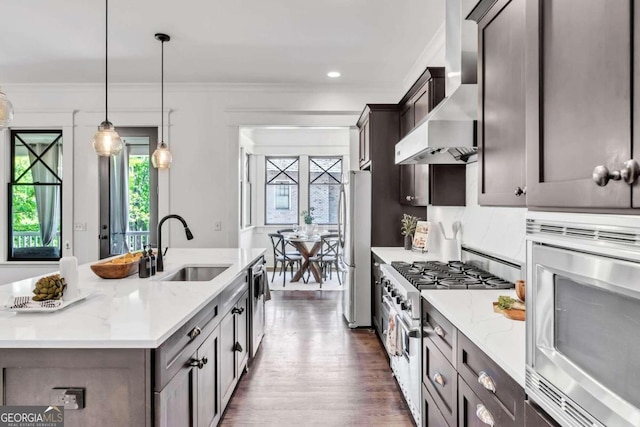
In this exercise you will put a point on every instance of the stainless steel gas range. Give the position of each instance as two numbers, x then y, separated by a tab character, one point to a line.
401	286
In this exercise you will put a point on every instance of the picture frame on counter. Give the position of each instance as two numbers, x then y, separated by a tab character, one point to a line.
421	236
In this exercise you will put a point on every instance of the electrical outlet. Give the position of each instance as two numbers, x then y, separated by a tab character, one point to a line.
80	226
69	398
218	226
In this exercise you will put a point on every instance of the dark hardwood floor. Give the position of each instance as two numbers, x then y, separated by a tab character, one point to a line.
313	370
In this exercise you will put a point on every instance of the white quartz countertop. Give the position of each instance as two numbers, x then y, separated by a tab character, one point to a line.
124	313
400	254
471	311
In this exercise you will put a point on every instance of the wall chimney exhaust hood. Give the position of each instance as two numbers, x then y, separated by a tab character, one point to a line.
448	133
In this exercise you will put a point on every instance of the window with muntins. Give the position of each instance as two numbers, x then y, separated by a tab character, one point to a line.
281	195
325	174
35	195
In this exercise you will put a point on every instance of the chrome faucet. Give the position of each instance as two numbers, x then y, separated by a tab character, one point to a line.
159	261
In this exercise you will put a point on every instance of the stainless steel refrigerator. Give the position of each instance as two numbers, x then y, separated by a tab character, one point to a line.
354	225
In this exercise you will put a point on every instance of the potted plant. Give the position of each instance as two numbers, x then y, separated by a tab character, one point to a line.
409	223
307	217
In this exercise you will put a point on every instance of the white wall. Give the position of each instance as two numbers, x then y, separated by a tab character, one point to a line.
493	230
203	135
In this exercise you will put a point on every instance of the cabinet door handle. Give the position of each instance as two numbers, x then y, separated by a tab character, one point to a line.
629	174
237	347
409	198
487	382
519	191
484	415
236	310
194	332
199	363
438	330
438	378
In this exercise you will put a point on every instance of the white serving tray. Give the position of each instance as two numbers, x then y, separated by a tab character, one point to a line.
31	306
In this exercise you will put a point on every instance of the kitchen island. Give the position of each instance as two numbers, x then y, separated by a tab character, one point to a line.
142	351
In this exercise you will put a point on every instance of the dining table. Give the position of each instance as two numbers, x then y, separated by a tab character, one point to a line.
308	246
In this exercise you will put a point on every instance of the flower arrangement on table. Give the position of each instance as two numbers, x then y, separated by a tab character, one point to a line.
307	216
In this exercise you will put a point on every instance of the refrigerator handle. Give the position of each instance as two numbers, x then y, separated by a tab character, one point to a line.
342	215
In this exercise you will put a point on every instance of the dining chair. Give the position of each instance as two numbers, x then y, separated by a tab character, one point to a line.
280	256
289	248
328	256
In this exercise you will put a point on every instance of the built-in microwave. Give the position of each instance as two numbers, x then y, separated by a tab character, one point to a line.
583	322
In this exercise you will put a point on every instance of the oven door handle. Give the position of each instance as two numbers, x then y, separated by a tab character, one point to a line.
411	332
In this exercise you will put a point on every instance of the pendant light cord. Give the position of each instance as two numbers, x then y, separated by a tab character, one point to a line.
162	90
106	62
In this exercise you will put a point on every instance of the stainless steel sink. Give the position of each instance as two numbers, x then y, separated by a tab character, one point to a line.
193	273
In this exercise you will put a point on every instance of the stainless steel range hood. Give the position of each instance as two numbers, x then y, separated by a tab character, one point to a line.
447	134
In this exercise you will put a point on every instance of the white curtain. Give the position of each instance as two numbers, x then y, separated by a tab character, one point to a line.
47	196
119	186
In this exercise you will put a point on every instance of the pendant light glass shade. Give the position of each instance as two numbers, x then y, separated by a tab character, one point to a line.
162	158
106	141
6	110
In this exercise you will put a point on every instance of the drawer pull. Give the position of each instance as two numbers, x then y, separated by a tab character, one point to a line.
487	382
438	330
194	332
438	378
199	363
484	415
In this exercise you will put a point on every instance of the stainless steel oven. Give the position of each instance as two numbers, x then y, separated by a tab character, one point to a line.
583	330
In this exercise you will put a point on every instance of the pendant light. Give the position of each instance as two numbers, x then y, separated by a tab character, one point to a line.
106	141
6	110
162	158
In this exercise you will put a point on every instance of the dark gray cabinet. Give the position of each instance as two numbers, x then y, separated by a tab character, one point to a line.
536	417
580	101
379	127
501	102
191	398
420	99
462	386
233	347
437	185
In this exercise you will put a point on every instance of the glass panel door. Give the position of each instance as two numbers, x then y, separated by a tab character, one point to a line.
128	194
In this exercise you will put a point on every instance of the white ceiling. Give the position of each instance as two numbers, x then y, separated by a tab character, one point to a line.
372	42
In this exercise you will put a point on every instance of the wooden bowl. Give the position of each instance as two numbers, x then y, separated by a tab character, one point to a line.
520	289
111	270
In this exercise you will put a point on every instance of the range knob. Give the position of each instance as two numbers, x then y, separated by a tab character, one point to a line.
394	293
405	305
398	299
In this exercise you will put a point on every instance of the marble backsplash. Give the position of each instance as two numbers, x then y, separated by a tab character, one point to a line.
492	230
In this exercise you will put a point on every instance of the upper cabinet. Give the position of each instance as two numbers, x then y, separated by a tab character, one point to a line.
425	94
501	103
365	156
582	103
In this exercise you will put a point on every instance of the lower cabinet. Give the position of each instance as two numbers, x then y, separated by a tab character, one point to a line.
198	368
461	385
536	417
191	397
233	340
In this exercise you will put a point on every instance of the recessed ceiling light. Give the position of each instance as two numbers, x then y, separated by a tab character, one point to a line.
334	74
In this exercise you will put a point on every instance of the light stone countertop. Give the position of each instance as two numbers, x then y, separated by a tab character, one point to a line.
471	312
389	254
124	313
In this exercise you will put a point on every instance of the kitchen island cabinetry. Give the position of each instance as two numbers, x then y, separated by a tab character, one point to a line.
233	339
581	113
144	352
501	102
